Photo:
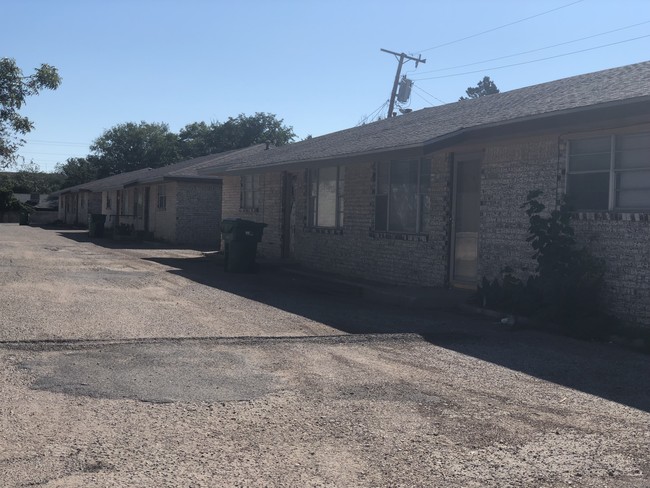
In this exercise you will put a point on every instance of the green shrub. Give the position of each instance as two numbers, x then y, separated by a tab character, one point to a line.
566	286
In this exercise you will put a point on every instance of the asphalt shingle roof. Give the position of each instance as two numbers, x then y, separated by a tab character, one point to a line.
107	183
192	167
423	126
184	169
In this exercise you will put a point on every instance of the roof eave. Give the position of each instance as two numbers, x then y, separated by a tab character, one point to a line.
615	108
558	120
319	162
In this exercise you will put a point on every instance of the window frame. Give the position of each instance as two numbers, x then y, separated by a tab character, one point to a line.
339	202
255	190
161	197
612	171
420	227
124	203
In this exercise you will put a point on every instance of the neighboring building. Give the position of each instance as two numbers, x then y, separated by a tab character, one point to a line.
44	205
434	197
172	203
77	202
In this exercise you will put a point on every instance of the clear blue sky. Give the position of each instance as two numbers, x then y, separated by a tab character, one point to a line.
315	64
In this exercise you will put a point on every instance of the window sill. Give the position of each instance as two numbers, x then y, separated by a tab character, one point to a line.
631	216
324	230
399	236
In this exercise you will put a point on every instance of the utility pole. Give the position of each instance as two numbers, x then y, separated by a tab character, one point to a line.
402	59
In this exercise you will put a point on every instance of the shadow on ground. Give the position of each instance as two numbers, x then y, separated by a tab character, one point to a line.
604	370
81	235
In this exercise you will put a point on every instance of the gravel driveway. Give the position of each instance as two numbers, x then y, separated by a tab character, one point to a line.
149	366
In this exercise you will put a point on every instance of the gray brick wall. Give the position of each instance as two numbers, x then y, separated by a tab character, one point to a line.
510	169
357	251
624	241
269	212
513	168
198	214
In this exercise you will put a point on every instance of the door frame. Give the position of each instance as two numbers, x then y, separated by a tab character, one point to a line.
459	157
288	205
146	196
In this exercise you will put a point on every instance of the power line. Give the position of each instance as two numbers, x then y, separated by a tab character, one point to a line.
44	153
535	50
378	111
428	101
432	96
499	27
56	143
401	59
534	60
374	113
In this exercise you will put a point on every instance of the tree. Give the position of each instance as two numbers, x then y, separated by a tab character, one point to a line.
200	139
30	179
77	171
245	131
484	87
131	146
196	139
7	200
14	89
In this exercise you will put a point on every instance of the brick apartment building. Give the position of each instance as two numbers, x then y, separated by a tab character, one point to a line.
433	197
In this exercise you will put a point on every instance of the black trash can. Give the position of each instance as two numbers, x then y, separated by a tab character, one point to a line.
23	218
241	238
96	225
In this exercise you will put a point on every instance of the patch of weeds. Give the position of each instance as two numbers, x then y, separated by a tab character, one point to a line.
566	286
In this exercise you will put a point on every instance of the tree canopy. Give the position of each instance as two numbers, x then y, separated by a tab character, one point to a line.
14	90
76	171
200	139
30	179
130	146
484	87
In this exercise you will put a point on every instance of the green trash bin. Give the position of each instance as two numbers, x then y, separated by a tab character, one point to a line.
241	238
23	218
96	225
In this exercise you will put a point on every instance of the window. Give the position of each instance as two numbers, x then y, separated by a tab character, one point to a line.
610	172
162	198
125	202
138	202
250	192
108	201
326	187
82	201
402	187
